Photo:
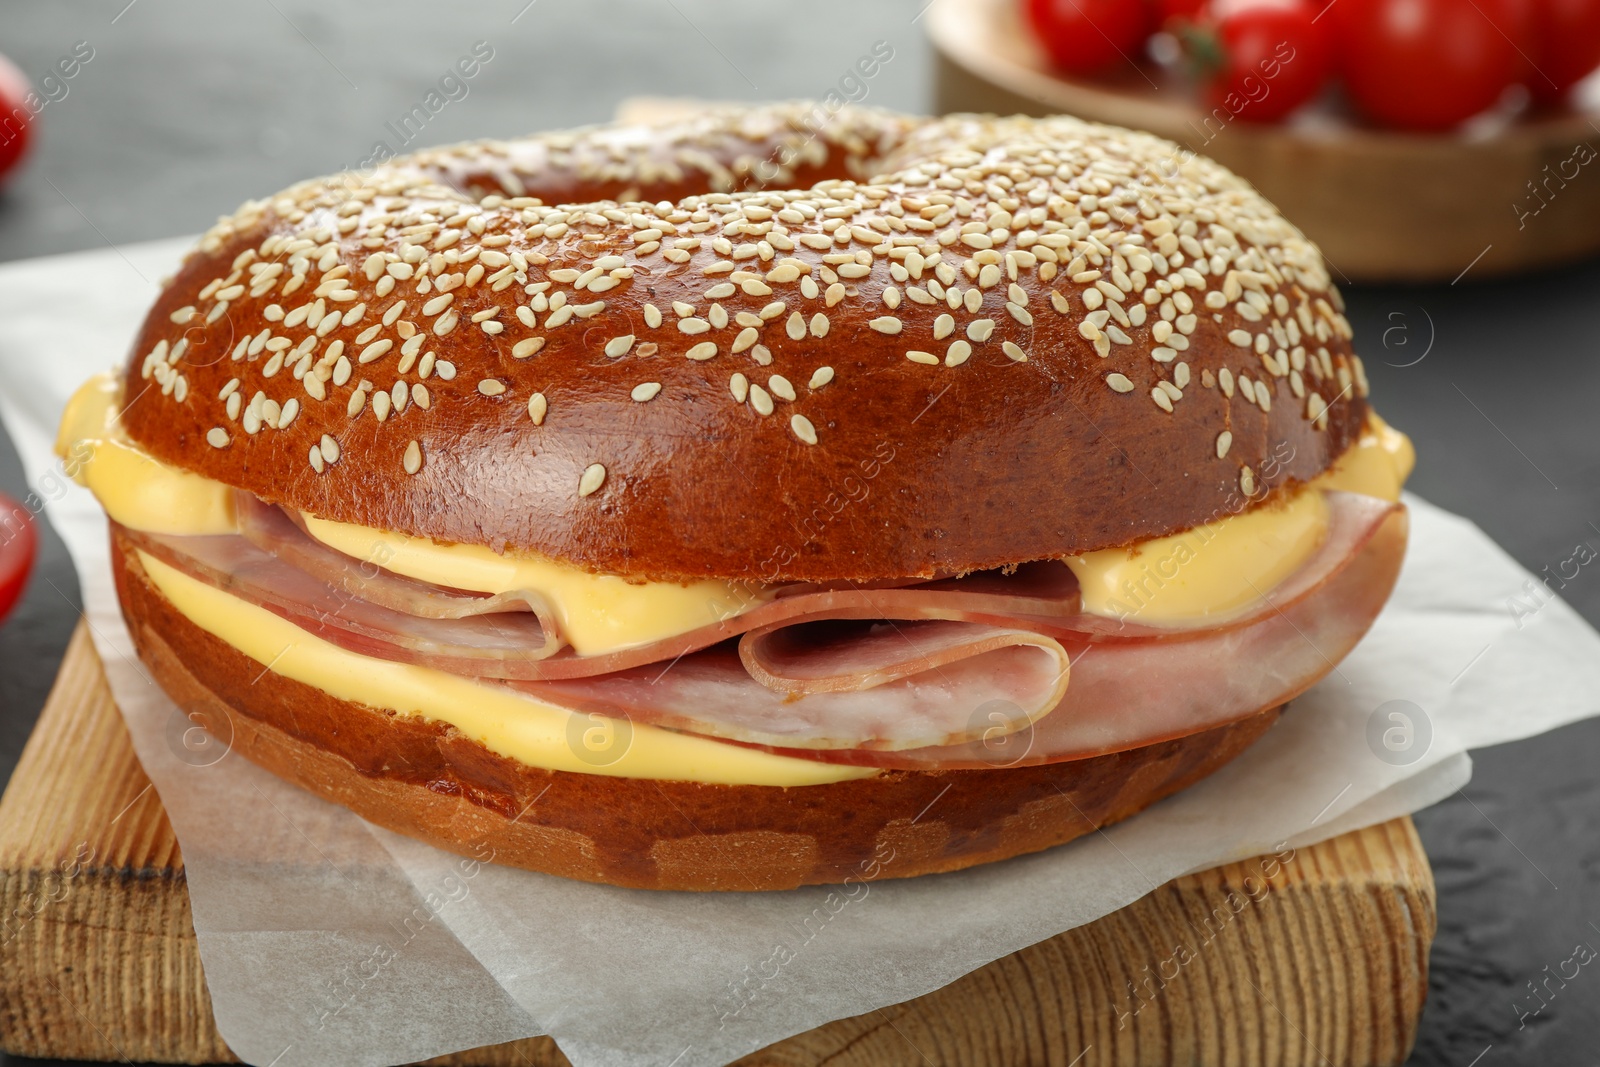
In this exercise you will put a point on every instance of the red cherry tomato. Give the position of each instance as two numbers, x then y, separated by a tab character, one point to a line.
16	119
1178	11
1427	64
19	543
1088	36
1260	59
1564	46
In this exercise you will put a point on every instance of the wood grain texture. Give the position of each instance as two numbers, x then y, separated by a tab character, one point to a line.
1318	956
1383	205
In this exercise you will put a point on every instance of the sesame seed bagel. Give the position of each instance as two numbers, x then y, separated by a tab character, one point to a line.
430	781
765	344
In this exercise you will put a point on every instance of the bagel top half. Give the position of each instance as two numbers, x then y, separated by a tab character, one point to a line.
770	345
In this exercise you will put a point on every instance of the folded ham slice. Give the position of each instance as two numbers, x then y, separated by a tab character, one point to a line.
880	686
498	642
1138	689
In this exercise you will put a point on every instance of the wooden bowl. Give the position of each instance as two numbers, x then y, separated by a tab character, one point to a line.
1384	206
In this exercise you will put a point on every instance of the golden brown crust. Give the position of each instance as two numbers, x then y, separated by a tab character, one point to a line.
428	781
1027	338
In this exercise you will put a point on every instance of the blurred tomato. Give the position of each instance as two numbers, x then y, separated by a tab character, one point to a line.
1259	59
18	544
1564	46
1087	36
1427	64
16	120
1178	10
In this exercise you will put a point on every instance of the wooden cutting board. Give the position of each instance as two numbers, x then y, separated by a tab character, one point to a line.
1319	957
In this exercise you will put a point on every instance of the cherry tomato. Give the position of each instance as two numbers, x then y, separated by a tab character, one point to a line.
1178	11
1088	36
1564	46
1426	64
1259	59
16	119
19	542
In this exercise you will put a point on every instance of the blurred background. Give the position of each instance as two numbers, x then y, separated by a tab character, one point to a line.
174	112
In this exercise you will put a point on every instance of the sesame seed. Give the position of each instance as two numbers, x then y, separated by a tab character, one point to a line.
594	476
1163	401
760	400
922	357
780	387
645	391
980	329
329	449
491	387
887	324
217	437
1013	351
527	347
412	461
958	353
803	429
1119	382
419	395
358	401
692	326
702	351
1241	338
652	316
819	325
1247	481
820	377
375	351
1224	442
619	346
317	462
739	386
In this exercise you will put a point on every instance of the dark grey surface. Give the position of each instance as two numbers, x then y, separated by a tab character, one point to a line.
188	108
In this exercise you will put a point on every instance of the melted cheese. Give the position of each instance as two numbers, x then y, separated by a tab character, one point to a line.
596	612
135	488
503	720
1220	568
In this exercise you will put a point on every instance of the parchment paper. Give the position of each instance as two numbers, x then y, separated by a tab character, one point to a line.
327	941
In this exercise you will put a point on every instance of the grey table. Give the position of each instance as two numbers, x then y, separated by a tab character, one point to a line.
186	108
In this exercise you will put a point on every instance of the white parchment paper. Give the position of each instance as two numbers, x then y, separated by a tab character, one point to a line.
327	941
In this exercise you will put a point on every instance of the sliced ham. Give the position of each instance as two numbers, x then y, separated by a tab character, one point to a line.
882	686
1035	590
498	645
1134	691
272	530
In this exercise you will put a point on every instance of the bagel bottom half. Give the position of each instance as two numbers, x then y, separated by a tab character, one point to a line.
426	780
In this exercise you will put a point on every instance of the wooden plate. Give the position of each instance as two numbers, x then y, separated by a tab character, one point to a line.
1384	206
